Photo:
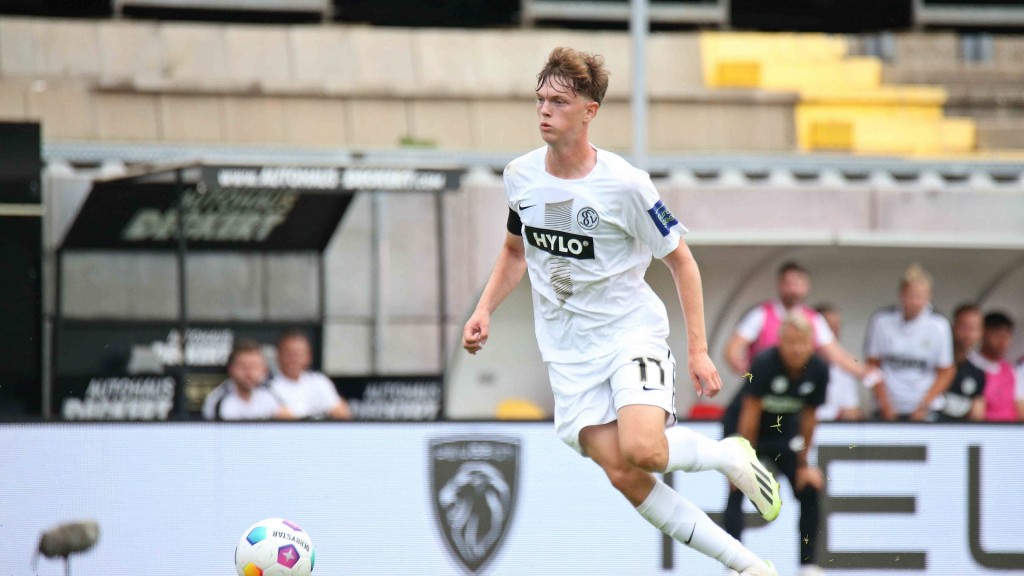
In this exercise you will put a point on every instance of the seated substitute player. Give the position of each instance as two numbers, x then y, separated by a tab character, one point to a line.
244	395
307	394
585	224
964	400
775	411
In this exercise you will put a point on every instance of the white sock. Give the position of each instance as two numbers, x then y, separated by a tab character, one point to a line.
676	516
691	452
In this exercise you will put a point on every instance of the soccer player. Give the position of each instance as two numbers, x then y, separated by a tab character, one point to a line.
775	411
964	400
585	224
913	345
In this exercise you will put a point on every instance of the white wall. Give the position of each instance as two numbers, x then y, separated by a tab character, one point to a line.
174	498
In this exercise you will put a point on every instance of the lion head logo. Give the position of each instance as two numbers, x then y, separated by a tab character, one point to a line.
474	484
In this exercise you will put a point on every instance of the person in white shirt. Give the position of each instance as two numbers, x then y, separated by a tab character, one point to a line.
585	223
307	394
913	345
244	395
842	396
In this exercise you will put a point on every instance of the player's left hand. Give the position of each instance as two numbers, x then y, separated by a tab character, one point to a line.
809	476
704	375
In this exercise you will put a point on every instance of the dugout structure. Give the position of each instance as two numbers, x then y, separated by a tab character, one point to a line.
137	364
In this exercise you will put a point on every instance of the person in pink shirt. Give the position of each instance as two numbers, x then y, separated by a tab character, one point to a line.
758	329
1004	384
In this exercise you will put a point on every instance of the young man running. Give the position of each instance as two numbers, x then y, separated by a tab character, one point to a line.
585	224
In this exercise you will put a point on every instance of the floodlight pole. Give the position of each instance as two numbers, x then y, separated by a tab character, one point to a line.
639	29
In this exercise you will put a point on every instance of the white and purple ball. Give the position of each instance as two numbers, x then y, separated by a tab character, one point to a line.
275	547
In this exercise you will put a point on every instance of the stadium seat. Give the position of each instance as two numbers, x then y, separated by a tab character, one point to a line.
843	105
519	409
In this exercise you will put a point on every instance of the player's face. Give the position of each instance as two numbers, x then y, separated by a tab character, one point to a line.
914	297
562	114
248	369
793	288
294	356
996	342
795	347
967	330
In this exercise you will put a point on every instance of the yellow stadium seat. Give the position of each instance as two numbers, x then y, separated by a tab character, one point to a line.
519	409
843	105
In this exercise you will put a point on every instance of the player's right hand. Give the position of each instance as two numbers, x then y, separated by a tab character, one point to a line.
474	335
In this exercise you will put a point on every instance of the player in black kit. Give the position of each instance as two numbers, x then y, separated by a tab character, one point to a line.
965	398
775	411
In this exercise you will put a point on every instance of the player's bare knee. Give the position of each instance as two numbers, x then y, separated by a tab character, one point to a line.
625	479
648	456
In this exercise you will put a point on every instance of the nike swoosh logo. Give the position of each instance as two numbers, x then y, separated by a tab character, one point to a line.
521	207
646	387
687	541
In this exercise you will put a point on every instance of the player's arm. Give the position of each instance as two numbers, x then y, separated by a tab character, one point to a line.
885	409
805	473
736	354
943	378
750	418
508	271
686	276
834	353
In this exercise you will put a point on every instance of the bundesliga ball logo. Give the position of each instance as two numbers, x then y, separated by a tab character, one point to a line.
275	547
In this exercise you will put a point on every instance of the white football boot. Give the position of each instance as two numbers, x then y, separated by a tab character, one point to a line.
748	474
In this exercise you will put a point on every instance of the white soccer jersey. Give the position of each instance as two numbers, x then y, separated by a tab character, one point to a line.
910	353
588	244
313	395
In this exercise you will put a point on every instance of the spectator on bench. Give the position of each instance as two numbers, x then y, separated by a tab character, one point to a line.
244	395
307	394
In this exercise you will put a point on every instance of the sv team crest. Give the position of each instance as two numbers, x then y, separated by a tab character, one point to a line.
587	218
474	483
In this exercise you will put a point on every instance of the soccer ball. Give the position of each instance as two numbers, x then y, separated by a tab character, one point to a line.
275	547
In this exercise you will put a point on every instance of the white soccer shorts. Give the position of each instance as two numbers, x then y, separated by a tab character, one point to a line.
592	392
